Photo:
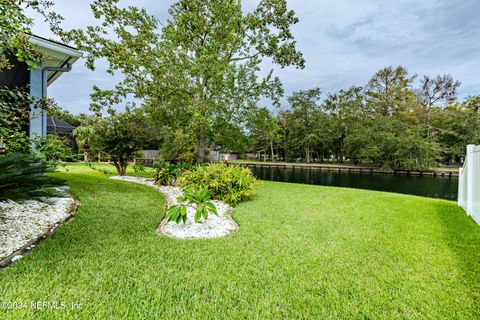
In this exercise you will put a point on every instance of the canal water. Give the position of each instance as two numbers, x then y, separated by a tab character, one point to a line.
426	186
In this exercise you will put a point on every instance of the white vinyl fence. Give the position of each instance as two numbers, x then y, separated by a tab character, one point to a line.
469	183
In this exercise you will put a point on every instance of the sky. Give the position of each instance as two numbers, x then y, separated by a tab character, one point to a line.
344	43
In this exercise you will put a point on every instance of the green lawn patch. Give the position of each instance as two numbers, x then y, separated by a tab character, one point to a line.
302	252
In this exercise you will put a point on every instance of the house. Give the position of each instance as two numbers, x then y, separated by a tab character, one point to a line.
219	156
58	58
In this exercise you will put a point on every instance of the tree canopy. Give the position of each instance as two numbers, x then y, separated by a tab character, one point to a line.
390	122
200	72
16	26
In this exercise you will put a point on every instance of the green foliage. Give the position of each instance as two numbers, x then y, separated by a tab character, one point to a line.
309	248
388	123
264	130
14	41
167	174
203	70
14	118
16	26
24	176
60	114
307	123
138	168
228	183
200	200
85	136
392	144
178	145
389	91
118	136
53	148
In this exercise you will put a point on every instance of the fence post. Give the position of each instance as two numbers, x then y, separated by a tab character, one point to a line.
470	176
460	187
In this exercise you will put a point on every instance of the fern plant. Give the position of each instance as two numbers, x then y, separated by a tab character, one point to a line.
24	176
200	200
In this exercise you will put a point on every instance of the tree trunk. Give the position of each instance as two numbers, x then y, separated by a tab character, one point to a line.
121	166
342	148
308	156
202	148
271	151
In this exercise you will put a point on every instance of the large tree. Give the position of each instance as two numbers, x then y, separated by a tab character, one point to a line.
309	128
264	131
389	91
440	90
202	67
456	126
435	92
346	108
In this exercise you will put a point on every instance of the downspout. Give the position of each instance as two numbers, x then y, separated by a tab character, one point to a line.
45	71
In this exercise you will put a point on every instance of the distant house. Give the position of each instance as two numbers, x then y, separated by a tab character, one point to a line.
58	58
226	156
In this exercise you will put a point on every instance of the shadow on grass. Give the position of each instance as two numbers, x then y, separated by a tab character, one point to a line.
462	236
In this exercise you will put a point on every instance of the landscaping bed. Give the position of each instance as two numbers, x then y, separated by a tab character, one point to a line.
213	227
24	223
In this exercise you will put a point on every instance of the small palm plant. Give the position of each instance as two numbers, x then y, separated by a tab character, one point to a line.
138	168
23	176
200	200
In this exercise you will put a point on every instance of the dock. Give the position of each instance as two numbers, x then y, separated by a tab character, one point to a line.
348	169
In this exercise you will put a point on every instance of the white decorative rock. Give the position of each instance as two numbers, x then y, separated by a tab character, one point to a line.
25	221
214	227
16	258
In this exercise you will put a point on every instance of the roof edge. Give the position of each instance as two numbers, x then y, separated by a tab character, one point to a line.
55	45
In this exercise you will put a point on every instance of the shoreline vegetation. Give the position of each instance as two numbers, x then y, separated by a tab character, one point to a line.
438	171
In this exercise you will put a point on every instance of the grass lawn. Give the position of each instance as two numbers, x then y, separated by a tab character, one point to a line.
302	252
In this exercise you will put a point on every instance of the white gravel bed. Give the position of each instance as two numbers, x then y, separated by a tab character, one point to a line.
214	227
24	222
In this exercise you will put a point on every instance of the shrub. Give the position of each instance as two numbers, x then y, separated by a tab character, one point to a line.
167	174
23	176
14	119
53	148
230	184
138	168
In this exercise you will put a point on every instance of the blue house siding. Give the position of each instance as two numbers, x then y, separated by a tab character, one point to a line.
38	89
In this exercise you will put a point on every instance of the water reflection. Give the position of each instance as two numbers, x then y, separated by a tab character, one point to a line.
427	186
